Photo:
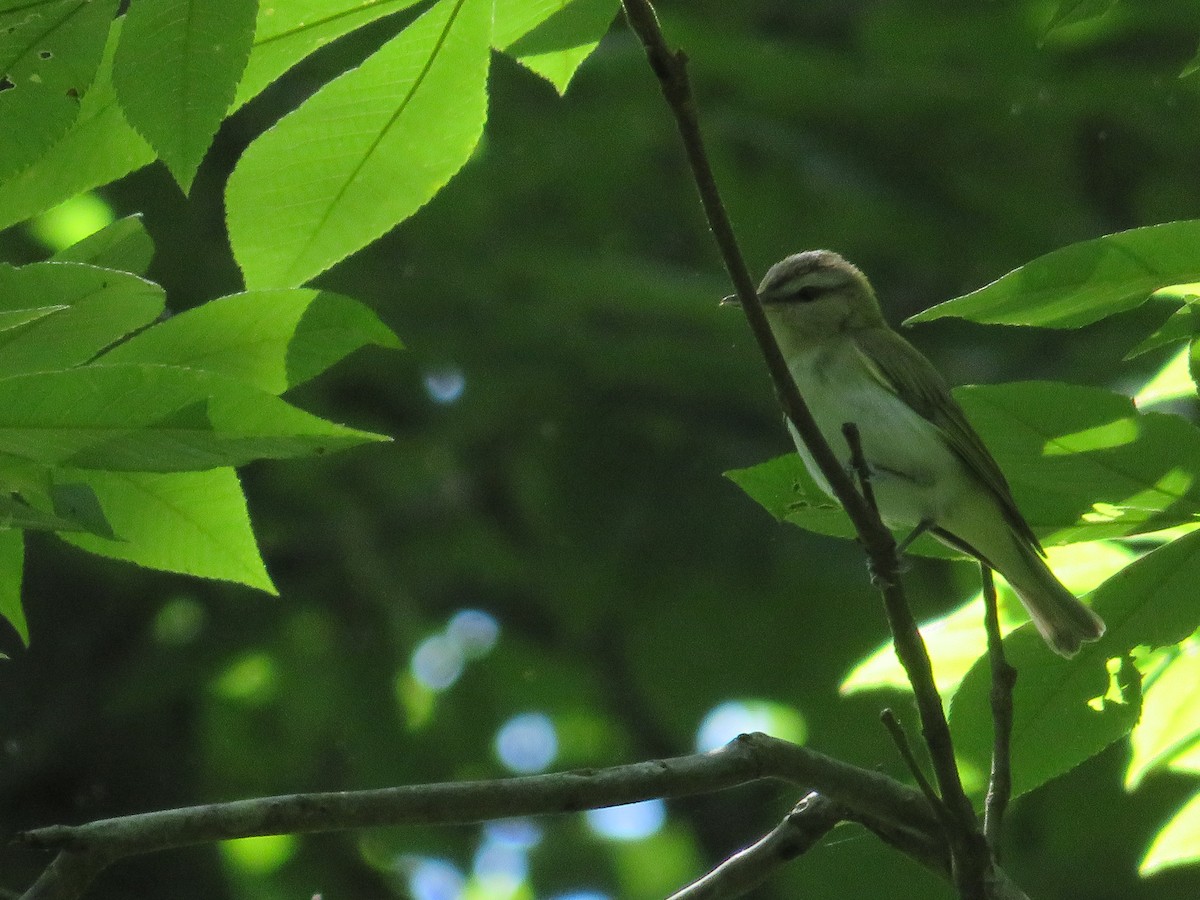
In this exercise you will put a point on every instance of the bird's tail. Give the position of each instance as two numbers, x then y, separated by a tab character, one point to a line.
1063	621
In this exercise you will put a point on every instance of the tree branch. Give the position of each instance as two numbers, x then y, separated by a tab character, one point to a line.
87	849
1004	678
811	819
972	857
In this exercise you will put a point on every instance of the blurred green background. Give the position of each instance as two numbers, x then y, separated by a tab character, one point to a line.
546	568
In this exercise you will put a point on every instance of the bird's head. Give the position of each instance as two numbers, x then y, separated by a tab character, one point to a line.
814	295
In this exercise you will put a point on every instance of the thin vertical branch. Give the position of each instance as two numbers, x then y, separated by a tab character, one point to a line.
1004	677
972	859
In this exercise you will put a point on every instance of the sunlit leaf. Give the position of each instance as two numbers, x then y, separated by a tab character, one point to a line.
100	306
124	245
144	418
98	148
1170	715
1177	843
957	639
12	569
49	53
1085	282
556	45
1082	462
1172	382
71	221
1067	711
195	523
176	70
366	151
288	32
1183	325
273	340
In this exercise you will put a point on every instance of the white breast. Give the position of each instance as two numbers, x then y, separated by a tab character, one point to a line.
915	474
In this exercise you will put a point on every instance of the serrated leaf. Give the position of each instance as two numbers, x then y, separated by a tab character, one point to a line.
956	640
1170	723
363	153
1067	711
552	38
1084	282
144	418
176	71
124	245
195	523
1177	843
14	318
288	32
49	53
12	571
272	340
98	148
1082	462
100	306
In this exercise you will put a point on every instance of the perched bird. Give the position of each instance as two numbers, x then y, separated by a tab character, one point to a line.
929	469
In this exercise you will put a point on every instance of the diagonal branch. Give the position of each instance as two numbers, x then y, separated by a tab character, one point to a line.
811	819
972	858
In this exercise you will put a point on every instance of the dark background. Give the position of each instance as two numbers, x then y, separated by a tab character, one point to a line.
574	490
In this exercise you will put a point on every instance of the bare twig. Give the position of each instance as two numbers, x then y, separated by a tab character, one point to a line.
900	739
1004	677
810	820
967	844
87	849
858	462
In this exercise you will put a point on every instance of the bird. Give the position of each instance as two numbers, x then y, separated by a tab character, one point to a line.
928	468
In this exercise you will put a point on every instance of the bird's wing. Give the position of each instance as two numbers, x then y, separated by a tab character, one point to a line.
904	371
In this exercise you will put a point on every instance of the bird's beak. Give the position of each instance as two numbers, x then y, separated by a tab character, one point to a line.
731	300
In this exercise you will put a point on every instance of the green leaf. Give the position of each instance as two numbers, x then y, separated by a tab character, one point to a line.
288	32
550	38
1082	462
1170	723
1070	12
1177	843
272	340
12	571
1172	382
49	53
100	307
176	71
957	639
1085	282
1068	711
31	499
1183	324
783	487
13	318
100	147
195	523
364	152
143	418
125	245
1192	67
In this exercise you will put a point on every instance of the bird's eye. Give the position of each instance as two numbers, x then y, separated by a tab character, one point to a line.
806	294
